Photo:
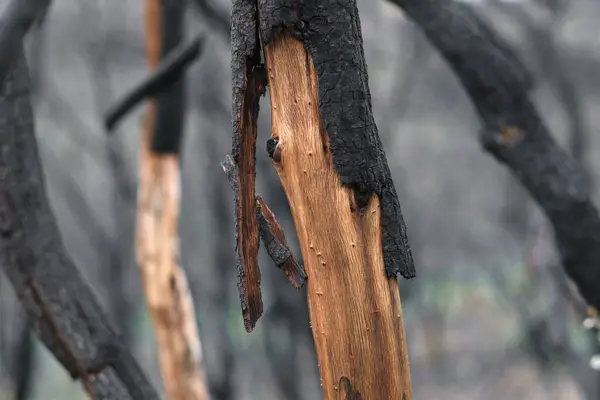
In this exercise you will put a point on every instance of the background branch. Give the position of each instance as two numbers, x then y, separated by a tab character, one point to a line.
15	20
514	133
164	75
64	312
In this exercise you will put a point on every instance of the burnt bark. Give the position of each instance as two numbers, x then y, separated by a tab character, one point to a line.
345	107
62	308
514	133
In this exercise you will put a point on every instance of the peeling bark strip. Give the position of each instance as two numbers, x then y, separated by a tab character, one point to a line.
61	306
157	241
515	134
248	86
331	33
271	234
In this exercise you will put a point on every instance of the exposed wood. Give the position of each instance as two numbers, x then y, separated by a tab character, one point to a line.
157	249
514	132
273	237
61	306
355	309
270	232
248	86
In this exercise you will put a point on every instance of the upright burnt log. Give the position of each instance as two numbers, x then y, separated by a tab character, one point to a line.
326	150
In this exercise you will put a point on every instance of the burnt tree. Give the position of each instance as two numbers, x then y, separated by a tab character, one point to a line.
326	150
514	133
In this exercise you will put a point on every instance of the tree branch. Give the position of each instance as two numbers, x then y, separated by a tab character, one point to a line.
64	312
15	20
515	134
159	79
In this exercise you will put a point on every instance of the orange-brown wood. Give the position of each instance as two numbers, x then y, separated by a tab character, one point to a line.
157	250
247	224
355	310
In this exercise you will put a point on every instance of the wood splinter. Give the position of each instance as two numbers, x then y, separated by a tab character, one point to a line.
268	229
271	233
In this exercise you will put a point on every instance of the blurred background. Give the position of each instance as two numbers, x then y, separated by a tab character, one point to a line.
490	314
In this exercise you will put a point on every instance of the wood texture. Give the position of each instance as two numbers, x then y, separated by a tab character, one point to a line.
246	92
355	309
157	249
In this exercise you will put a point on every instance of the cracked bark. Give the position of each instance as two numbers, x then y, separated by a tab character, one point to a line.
64	312
514	133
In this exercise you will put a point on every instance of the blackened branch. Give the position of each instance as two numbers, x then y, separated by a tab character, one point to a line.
61	306
167	72
16	18
514	133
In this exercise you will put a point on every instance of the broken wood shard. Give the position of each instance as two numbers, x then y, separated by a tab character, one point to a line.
247	243
247	87
271	233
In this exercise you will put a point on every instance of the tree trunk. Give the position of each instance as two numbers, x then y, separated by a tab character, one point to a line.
329	158
355	309
157	242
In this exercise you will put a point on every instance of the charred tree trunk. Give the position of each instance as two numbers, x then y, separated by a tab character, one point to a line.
327	153
62	308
